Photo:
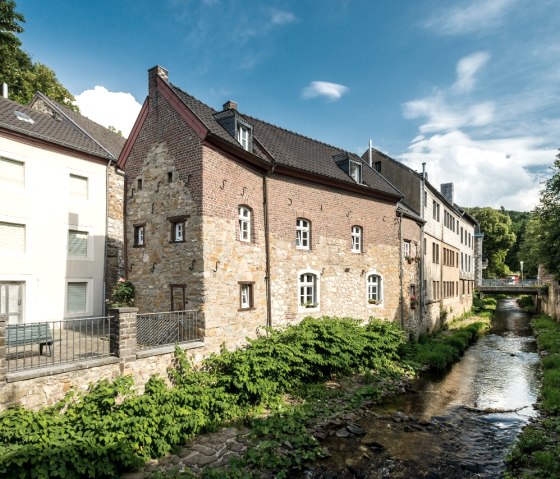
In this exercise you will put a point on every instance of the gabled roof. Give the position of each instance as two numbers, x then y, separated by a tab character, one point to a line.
109	141
280	147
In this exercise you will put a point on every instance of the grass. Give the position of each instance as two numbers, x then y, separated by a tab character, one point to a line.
536	451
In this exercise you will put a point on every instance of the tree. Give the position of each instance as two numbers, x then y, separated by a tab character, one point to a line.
519	220
498	239
530	247
23	76
548	215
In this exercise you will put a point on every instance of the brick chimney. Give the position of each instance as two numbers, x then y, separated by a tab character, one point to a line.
153	73
230	105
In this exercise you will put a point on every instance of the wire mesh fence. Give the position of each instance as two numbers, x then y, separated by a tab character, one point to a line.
160	329
43	344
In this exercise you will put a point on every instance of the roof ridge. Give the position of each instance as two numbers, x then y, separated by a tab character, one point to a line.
74	124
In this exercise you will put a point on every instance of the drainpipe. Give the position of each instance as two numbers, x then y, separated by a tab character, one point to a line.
401	271
422	252
267	248
106	237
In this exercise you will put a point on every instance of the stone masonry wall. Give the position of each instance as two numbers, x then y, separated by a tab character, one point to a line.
115	229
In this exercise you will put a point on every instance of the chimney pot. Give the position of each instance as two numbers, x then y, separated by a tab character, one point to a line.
230	105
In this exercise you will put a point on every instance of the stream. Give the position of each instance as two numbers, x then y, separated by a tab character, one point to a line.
457	425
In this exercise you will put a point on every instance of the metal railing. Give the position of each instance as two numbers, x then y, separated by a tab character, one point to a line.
531	283
160	329
43	344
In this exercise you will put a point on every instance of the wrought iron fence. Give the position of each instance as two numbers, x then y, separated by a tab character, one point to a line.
160	329
42	344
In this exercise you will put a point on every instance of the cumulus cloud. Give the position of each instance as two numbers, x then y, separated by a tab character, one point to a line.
279	17
471	17
467	68
109	108
332	91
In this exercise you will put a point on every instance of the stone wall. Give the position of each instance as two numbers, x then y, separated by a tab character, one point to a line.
548	303
115	229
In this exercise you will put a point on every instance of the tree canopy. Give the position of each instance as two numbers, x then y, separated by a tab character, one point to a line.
498	239
23	76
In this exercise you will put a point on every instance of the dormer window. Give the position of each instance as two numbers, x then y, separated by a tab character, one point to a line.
355	171
243	136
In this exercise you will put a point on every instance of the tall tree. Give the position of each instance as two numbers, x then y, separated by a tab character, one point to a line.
498	239
23	76
519	220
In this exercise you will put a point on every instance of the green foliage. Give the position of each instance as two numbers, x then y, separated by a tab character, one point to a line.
498	238
23	76
438	352
123	293
519	220
536	450
526	302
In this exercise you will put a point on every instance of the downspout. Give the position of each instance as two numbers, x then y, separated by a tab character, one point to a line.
423	252
106	237
267	248
401	270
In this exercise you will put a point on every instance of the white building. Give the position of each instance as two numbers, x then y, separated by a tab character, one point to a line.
54	182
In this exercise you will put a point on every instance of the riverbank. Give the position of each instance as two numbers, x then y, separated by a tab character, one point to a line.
537	450
298	428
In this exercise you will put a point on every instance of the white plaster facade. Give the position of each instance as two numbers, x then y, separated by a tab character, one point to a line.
46	207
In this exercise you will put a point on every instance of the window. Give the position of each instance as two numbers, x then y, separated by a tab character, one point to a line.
177	226
302	233
355	170
12	238
434	209
406	248
435	253
169	176
12	173
76	297
79	187
243	136
178	300
139	235
23	117
377	166
374	295
308	290
77	243
356	239
246	295
244	224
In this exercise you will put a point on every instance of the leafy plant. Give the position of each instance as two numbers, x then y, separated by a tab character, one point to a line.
123	293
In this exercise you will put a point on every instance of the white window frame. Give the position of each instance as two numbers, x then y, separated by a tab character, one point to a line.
8	181
374	288
246	295
139	235
303	234
243	135
88	300
244	213
356	239
80	176
355	171
308	278
406	249
77	229
179	231
20	227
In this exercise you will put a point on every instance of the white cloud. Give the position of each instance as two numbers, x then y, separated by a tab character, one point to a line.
108	108
333	91
485	172
467	68
474	16
279	17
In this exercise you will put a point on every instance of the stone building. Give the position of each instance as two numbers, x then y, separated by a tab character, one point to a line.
451	240
259	226
61	203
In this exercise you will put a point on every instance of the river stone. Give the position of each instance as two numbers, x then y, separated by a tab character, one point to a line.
356	429
343	432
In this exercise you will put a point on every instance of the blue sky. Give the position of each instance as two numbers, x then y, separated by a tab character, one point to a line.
469	87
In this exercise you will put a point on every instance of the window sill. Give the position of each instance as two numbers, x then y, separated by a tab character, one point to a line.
139	246
356	252
375	305
172	241
247	309
299	248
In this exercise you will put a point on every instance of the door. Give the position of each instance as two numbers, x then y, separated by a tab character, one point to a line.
11	300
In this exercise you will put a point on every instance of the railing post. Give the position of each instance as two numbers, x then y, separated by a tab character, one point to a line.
123	335
3	352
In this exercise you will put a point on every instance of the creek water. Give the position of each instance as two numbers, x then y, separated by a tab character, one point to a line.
457	425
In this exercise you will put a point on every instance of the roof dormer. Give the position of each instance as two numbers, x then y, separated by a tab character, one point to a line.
350	165
235	125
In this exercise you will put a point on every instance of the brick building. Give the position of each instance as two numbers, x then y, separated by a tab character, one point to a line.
451	240
259	226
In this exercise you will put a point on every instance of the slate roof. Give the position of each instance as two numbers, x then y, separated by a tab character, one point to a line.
61	130
288	148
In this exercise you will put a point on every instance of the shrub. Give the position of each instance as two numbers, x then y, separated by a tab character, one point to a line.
123	293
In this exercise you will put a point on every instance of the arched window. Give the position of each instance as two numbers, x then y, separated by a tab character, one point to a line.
303	233
308	289
374	288
356	239
244	224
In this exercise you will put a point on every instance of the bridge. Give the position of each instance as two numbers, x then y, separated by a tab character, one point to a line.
504	286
